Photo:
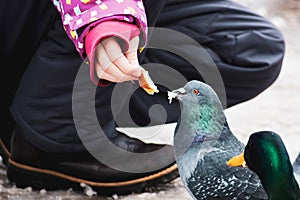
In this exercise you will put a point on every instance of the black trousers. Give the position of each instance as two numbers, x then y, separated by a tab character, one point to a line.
43	70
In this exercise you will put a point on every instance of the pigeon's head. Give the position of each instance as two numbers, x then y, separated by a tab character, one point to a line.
195	92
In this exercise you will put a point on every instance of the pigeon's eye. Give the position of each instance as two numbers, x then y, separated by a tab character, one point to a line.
196	92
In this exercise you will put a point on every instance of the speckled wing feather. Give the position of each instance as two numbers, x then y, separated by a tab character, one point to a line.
213	179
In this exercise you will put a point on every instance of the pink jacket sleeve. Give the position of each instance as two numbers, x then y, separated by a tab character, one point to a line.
122	30
80	16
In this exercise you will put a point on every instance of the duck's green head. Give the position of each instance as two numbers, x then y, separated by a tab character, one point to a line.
266	155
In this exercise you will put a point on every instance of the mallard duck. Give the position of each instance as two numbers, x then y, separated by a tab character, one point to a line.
203	143
266	155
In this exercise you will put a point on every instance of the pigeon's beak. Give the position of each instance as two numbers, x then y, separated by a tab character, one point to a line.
176	94
237	161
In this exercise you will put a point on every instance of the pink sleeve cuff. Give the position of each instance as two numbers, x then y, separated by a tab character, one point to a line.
123	30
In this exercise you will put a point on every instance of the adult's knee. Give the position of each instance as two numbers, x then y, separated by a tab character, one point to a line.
256	64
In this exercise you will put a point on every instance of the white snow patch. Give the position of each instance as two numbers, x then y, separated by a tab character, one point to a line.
88	190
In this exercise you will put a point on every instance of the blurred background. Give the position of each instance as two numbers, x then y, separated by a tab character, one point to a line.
275	109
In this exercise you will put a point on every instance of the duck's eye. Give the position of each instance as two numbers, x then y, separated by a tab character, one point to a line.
196	92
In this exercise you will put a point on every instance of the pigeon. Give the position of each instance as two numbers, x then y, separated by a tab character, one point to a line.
204	143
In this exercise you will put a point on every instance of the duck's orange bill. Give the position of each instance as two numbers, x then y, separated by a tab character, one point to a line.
237	161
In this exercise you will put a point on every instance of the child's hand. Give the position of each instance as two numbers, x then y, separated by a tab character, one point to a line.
114	65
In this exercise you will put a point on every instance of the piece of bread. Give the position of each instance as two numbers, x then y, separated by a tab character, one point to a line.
147	84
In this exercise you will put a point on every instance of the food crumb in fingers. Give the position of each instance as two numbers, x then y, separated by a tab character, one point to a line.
147	84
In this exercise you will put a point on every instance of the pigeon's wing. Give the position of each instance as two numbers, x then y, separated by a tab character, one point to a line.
215	180
296	167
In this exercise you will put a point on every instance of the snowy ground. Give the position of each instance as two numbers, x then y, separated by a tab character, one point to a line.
275	109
